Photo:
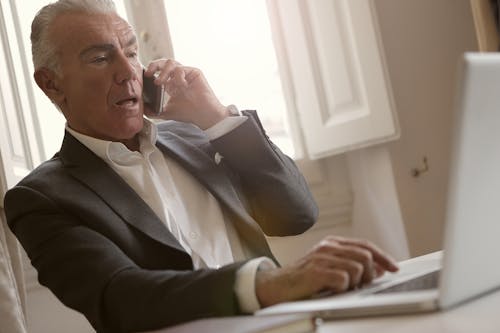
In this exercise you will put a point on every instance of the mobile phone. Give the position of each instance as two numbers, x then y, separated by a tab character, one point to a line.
153	95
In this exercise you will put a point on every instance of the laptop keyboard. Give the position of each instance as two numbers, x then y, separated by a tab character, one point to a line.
423	282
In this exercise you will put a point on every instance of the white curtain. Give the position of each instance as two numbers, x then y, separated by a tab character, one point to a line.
12	286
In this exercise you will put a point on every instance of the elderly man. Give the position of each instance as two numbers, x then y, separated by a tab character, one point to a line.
140	225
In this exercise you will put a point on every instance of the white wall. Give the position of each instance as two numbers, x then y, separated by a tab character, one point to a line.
423	41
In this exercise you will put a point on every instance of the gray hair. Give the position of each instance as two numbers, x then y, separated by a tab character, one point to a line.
42	47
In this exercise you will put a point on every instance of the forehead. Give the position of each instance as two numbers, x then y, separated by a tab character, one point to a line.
72	32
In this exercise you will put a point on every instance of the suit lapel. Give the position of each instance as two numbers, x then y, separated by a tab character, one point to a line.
196	159
89	169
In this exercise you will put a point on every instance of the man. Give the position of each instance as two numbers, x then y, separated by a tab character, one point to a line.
139	226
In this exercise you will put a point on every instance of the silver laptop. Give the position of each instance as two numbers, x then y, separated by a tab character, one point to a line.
468	266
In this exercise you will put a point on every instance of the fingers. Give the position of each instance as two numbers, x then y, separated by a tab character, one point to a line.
162	66
329	261
170	73
334	272
191	99
360	256
362	260
379	257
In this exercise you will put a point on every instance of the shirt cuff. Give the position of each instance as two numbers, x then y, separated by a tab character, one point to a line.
224	126
244	286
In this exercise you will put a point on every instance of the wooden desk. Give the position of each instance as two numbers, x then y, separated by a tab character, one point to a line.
480	315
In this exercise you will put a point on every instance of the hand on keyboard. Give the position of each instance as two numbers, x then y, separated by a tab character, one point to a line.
336	264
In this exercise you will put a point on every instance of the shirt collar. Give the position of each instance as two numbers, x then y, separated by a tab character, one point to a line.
117	152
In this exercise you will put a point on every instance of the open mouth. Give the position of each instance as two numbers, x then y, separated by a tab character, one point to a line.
127	101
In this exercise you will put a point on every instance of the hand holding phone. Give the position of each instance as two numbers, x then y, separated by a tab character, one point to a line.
193	100
153	95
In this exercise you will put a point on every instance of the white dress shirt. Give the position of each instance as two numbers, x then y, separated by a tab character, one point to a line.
187	209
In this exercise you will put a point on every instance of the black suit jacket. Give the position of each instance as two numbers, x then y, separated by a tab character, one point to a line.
102	251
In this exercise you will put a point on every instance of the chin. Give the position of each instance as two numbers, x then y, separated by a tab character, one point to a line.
131	127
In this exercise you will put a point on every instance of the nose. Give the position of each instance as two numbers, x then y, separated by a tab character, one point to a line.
125	71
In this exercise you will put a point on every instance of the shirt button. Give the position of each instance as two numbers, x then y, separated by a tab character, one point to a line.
193	235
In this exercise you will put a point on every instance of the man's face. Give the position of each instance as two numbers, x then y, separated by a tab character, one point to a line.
101	76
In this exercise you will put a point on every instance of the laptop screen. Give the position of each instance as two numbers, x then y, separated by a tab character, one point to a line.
472	235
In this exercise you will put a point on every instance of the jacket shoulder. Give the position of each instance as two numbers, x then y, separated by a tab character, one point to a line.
186	131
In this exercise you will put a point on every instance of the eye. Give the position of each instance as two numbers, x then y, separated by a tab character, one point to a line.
99	59
132	54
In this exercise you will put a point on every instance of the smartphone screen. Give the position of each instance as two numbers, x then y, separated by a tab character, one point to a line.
152	94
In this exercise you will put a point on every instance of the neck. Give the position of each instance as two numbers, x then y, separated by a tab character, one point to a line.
133	143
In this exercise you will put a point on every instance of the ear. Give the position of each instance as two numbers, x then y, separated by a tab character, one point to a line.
48	81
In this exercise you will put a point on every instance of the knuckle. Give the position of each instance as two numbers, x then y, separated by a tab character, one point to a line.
322	247
314	259
343	281
366	256
357	269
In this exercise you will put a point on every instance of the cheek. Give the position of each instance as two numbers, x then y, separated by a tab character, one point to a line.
96	87
86	92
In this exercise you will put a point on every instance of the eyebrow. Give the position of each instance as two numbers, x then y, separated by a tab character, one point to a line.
106	47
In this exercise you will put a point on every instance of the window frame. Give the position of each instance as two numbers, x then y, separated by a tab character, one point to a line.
21	146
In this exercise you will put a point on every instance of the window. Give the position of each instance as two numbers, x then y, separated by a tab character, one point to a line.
330	66
231	43
332	56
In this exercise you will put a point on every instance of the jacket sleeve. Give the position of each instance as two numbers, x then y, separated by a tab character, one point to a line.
91	274
278	195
